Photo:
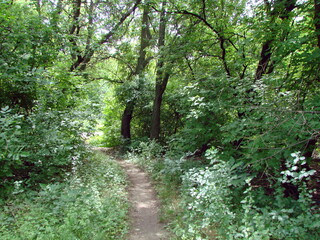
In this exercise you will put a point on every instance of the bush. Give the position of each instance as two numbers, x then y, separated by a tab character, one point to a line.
145	153
11	148
209	197
92	204
220	202
222	199
38	148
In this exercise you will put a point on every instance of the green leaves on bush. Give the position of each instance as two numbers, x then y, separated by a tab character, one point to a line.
213	200
11	147
92	204
37	148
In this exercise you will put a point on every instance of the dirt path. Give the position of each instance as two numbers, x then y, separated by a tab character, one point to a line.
144	214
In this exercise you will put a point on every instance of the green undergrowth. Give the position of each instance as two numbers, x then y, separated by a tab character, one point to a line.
209	198
90	204
166	176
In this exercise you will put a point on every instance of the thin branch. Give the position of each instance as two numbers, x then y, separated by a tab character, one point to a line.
281	150
185	12
204	9
234	46
81	62
220	37
131	68
108	79
286	110
107	36
190	67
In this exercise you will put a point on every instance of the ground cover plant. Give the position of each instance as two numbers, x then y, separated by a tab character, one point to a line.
91	203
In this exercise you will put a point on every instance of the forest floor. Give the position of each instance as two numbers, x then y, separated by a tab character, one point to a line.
144	212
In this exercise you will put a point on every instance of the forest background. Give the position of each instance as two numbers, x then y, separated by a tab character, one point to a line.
219	99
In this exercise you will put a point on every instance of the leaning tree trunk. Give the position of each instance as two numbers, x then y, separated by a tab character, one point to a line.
317	19
156	113
265	56
161	79
281	9
142	62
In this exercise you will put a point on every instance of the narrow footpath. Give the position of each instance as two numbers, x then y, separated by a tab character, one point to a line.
144	214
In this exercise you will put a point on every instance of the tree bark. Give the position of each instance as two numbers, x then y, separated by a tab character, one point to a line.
126	120
142	62
145	38
223	55
74	30
162	78
82	60
317	19
265	56
156	113
281	9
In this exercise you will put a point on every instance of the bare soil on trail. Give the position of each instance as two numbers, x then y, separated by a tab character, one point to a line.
144	213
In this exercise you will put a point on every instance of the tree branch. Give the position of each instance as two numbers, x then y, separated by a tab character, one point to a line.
82	62
185	12
107	36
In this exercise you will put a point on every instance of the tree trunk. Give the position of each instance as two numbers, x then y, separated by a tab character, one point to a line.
142	62
145	38
317	19
161	79
265	56
82	60
281	9
126	120
224	54
156	113
74	30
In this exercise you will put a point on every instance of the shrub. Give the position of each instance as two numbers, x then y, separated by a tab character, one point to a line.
11	148
92	204
217	199
38	148
209	197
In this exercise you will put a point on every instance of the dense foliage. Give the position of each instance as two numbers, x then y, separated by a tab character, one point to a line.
218	199
228	92
44	107
92	204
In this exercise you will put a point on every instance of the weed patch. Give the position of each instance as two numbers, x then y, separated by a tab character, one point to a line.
91	204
